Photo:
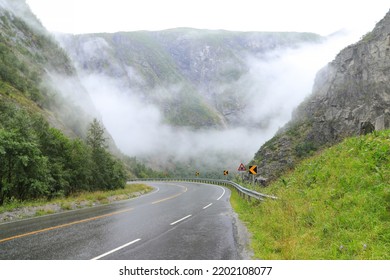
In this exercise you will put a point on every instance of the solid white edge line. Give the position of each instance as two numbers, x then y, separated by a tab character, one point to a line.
207	206
182	219
117	249
222	193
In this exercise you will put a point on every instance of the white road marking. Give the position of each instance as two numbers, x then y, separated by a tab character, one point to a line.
182	219
156	191
222	193
207	206
117	249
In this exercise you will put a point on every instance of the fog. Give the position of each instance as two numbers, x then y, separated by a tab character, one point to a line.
280	80
276	83
139	130
20	9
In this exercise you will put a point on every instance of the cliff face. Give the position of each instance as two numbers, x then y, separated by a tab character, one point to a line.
351	96
352	89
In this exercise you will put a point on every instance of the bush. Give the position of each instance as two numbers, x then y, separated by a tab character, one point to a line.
305	149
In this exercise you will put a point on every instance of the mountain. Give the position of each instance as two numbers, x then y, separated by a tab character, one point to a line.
187	100
351	96
37	73
51	142
197	78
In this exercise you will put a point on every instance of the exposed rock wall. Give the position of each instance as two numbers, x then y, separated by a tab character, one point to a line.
351	96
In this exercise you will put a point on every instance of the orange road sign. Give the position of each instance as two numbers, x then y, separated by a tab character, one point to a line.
253	169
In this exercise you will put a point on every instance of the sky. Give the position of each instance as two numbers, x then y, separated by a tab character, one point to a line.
321	17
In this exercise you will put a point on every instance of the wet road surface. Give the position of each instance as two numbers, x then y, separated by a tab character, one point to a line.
179	221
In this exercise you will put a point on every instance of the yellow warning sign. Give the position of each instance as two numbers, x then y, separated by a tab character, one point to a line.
253	169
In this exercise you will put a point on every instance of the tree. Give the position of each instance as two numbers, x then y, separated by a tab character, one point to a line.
95	136
107	172
80	164
23	170
39	161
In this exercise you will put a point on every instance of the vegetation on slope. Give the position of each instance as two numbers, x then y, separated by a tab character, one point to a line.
196	77
334	205
38	161
25	54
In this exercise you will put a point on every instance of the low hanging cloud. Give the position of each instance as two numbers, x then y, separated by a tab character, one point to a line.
138	128
276	83
280	80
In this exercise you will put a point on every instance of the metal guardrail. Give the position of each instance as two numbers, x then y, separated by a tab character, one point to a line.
241	190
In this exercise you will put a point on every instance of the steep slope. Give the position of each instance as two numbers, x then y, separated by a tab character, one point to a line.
351	96
36	72
196	77
49	145
333	205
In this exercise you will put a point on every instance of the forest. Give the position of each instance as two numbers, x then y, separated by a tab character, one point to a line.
39	161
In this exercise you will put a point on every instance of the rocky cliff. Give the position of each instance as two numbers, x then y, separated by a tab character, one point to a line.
351	96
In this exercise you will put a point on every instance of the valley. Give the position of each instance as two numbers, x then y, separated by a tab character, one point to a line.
84	114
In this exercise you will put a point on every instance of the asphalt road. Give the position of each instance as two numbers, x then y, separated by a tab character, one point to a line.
179	221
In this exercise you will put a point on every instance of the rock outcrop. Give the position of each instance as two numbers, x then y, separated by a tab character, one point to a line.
351	96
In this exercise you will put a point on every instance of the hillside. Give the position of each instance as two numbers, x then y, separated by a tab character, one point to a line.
333	205
51	143
37	73
351	96
197	78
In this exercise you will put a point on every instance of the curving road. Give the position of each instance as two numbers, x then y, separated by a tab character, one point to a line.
179	221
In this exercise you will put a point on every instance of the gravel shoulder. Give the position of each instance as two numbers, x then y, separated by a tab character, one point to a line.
62	206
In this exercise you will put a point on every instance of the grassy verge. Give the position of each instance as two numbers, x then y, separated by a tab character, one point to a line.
335	205
14	210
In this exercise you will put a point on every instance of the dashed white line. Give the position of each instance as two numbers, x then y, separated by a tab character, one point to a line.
117	249
207	206
182	219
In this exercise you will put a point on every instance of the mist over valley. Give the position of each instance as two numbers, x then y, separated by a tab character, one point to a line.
86	118
180	100
205	100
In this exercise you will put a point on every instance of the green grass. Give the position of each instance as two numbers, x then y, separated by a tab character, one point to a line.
334	205
86	199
